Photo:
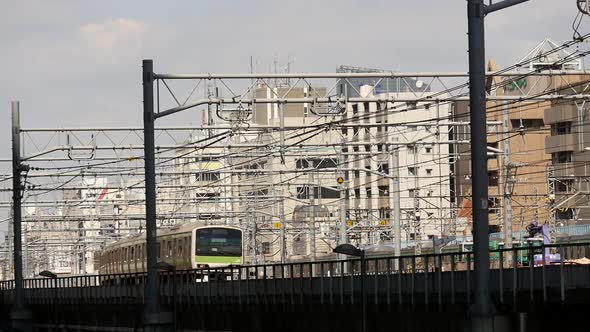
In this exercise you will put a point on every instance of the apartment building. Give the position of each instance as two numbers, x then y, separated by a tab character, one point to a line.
525	141
568	145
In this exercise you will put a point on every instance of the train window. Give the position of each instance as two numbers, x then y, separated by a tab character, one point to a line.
158	250
187	241
169	249
179	246
132	254
124	254
218	242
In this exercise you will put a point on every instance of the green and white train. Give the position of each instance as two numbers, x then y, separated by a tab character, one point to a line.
187	246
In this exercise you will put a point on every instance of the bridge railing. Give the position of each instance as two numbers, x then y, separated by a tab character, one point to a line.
519	275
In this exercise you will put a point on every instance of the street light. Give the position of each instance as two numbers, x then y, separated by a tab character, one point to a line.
48	274
350	250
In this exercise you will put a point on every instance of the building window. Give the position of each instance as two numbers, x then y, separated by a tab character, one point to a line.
208	176
318	163
428	149
357	174
494	155
412	149
412	193
412	171
330	193
357	193
303	192
383	191
564	186
207	196
383	168
369	193
528	124
266	248
493	178
561	157
561	128
493	205
564	214
429	171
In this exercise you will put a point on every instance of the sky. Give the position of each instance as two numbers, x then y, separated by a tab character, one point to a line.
78	63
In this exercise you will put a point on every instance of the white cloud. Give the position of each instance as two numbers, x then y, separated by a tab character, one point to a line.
110	40
89	47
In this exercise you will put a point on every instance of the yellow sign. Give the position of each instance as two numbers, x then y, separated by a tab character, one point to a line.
349	223
563	210
340	180
383	222
277	225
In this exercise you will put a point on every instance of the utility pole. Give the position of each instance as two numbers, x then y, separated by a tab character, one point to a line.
20	315
154	319
342	236
396	201
283	225
508	183
312	217
476	11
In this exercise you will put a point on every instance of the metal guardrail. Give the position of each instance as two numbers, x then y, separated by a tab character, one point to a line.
430	279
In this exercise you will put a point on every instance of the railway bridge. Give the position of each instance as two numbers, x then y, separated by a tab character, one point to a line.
410	293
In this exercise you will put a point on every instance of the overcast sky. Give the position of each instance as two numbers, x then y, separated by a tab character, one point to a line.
78	63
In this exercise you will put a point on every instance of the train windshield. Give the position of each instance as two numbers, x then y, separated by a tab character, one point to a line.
219	242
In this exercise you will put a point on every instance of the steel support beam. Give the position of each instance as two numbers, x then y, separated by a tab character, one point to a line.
153	318
479	161
355	75
20	316
482	310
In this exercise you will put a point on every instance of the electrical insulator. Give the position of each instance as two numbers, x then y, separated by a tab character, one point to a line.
584	6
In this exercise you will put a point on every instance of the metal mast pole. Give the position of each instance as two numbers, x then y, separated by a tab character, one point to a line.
312	218
479	163
151	318
507	183
19	315
283	220
397	202
476	11
342	236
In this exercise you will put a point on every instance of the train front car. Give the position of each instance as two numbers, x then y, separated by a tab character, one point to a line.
217	247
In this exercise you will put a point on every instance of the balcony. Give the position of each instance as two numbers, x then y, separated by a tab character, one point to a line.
558	143
560	113
563	170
